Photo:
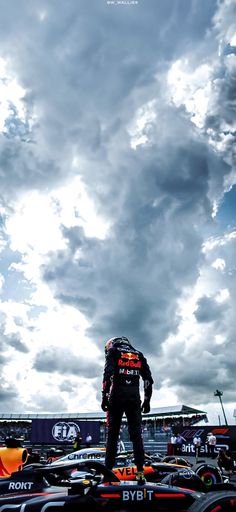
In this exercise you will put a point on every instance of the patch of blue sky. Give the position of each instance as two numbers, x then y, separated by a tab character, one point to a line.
226	214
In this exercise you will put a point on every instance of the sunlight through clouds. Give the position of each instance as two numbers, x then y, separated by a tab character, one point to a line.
38	218
35	225
191	88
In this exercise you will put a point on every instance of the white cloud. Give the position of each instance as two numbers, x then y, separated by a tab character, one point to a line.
35	225
223	295
191	88
38	218
219	263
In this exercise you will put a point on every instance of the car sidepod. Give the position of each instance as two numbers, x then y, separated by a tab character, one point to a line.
157	497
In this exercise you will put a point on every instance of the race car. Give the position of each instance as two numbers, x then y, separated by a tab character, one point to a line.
38	488
155	468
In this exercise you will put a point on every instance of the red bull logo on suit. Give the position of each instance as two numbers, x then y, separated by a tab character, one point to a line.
129	359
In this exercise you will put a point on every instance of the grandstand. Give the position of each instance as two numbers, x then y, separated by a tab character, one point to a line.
177	414
159	420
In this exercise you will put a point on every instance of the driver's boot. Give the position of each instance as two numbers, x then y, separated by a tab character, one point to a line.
140	478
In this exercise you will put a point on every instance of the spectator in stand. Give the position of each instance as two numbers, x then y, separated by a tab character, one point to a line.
211	444
179	441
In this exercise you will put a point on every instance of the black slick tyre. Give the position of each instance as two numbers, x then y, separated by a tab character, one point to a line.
224	501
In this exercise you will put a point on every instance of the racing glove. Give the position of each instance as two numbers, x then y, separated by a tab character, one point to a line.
105	403
145	408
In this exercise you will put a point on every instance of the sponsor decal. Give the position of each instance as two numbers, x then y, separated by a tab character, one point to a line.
131	364
191	433
78	456
220	431
125	371
129	355
188	473
125	471
65	431
16	486
127	351
189	448
129	359
139	495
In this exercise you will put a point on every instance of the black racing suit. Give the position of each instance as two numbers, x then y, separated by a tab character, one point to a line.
123	367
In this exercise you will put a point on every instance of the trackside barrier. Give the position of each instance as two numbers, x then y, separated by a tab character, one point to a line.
150	446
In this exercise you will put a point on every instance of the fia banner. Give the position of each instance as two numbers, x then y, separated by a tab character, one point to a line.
57	431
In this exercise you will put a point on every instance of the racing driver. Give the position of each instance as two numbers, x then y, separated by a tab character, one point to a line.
123	367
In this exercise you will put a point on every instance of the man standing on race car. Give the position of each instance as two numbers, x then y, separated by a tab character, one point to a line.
123	367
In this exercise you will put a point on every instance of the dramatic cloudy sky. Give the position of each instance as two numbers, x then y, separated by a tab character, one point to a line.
118	198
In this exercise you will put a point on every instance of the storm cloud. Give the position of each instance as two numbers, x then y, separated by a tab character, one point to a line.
97	105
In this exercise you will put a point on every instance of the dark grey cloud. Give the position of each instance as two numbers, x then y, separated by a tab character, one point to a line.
221	117
7	396
131	281
8	390
198	367
209	310
202	360
220	120
56	360
2	358
10	340
53	402
80	66
203	371
22	169
15	341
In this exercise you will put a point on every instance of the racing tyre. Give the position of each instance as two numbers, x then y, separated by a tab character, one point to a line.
224	501
186	479
209	474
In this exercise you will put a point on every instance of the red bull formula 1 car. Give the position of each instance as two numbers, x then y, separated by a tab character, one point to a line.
38	488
